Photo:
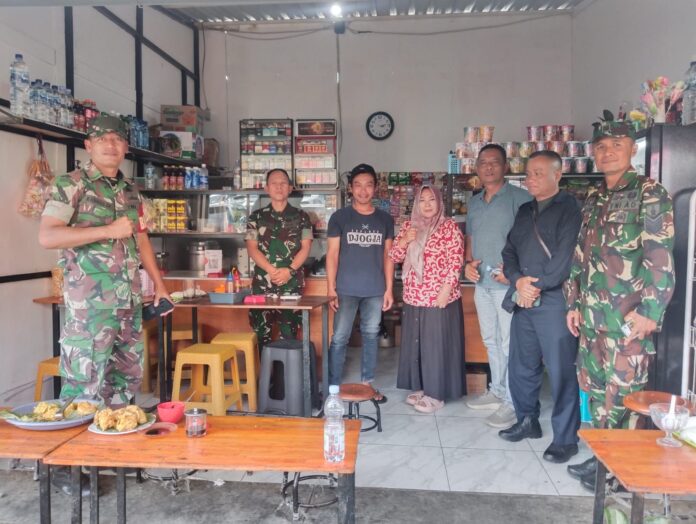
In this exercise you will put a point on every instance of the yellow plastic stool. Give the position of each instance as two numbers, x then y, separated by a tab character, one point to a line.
220	396
47	368
246	343
181	332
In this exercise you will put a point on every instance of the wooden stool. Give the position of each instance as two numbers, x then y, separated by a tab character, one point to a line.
247	343
640	401
180	332
47	368
221	396
354	394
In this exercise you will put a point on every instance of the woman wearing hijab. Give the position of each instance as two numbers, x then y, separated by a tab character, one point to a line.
431	247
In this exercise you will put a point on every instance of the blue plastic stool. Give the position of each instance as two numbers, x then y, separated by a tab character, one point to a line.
585	414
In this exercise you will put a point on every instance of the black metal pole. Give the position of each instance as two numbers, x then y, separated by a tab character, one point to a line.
184	88
196	68
44	493
139	30
69	75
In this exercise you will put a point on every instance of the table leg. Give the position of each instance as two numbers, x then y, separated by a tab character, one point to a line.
600	493
637	505
306	375
55	325
325	351
44	493
94	495
169	357
121	495
346	499
76	485
194	324
160	358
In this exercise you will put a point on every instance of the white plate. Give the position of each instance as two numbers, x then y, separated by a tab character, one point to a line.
69	422
150	421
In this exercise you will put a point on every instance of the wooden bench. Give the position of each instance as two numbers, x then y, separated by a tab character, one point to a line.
245	443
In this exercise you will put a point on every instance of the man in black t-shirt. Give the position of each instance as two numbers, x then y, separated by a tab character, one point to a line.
359	273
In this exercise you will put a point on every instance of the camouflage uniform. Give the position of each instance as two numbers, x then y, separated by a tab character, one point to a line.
623	261
279	237
101	346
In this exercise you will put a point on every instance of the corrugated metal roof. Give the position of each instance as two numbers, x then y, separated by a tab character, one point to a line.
317	10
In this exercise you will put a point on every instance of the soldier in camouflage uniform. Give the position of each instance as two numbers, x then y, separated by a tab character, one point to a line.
92	214
279	238
620	282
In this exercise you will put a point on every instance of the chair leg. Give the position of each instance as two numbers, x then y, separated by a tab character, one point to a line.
234	363
379	416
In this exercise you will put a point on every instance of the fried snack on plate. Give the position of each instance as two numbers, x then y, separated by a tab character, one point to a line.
126	420
69	410
105	419
45	411
138	412
85	408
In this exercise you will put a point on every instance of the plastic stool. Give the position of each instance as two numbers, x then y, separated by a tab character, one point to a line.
221	396
354	394
289	353
47	368
247	344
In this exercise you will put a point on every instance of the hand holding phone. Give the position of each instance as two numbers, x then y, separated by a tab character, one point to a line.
150	311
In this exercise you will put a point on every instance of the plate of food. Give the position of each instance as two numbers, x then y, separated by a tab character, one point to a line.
42	416
121	421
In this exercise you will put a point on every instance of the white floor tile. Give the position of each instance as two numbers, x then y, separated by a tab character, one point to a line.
473	433
495	471
404	430
401	467
564	483
458	408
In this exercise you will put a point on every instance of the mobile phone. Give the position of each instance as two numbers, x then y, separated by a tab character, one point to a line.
626	328
150	311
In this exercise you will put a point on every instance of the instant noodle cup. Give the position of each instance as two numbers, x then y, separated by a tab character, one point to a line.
566	164
535	133
574	148
486	133
517	164
468	166
587	147
567	132
550	133
471	134
539	146
526	149
556	146
511	148
580	164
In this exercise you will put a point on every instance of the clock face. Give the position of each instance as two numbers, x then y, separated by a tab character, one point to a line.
379	125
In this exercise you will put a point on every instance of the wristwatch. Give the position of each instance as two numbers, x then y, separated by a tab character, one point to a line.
292	270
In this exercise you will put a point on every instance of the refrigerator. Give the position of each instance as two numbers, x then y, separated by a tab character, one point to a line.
667	153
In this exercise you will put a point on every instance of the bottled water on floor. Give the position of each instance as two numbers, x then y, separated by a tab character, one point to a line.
334	427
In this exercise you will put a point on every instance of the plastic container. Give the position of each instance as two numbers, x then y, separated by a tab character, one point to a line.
229	298
171	411
334	427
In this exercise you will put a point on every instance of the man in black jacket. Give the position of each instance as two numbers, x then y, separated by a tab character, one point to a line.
536	261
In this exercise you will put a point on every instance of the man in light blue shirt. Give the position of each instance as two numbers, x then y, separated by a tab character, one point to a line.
490	216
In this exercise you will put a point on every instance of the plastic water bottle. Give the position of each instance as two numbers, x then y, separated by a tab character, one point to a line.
334	427
203	177
150	176
44	101
689	100
32	111
19	86
237	176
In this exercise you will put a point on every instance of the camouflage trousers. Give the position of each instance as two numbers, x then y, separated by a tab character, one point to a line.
287	320
608	370
102	354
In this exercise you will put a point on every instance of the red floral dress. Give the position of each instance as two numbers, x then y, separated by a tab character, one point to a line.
443	258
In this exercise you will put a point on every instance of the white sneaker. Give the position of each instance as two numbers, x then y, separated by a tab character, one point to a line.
486	401
503	418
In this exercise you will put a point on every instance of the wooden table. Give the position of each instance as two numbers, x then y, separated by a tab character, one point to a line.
16	443
305	305
246	443
640	464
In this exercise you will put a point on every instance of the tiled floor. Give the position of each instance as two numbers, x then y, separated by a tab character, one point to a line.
452	450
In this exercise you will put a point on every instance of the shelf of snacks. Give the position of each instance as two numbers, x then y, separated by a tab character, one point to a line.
315	158
264	144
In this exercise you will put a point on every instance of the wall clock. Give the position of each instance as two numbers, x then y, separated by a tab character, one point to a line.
379	125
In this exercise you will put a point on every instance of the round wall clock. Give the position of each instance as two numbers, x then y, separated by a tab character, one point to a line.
379	125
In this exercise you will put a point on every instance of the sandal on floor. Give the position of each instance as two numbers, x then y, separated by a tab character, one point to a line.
414	397
378	397
428	405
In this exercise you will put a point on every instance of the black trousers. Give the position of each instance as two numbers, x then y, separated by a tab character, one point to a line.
538	337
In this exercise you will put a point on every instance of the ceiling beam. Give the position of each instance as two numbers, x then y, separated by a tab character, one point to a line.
164	3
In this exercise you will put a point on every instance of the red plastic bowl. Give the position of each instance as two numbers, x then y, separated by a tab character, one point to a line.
171	411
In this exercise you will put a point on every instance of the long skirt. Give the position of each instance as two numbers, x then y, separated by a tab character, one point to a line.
432	351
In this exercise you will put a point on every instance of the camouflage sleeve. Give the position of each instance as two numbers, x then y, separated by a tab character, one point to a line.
571	287
398	253
64	198
658	261
306	225
252	232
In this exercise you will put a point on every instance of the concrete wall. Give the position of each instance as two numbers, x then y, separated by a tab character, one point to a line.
104	72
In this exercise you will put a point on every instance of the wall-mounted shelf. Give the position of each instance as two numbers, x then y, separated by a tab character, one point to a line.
196	192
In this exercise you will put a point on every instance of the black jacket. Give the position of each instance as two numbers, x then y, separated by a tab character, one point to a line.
558	225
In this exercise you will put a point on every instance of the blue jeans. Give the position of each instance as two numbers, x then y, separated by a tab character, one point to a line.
370	317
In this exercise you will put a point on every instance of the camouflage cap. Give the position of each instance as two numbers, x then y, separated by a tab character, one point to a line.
104	124
611	128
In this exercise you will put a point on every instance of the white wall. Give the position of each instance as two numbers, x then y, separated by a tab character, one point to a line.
104	72
509	77
618	44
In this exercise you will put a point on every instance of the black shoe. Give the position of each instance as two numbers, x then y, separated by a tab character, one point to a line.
60	478
589	481
528	427
577	471
560	454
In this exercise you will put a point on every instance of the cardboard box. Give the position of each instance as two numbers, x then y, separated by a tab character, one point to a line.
182	144
213	261
182	118
476	383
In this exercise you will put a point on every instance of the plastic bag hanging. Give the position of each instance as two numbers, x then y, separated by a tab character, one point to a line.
40	180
